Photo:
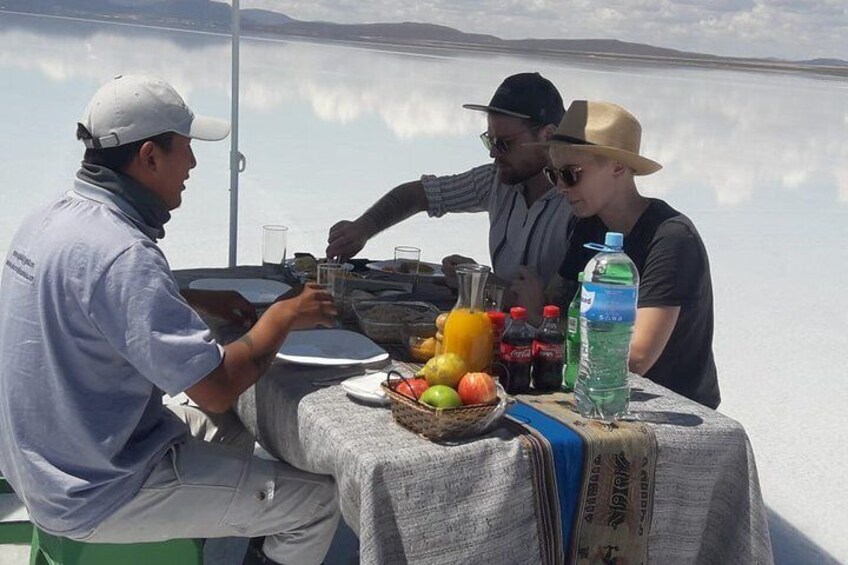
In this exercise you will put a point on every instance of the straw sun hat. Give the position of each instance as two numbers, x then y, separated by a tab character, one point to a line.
605	129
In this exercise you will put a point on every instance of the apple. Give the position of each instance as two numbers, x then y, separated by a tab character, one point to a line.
441	396
413	388
477	388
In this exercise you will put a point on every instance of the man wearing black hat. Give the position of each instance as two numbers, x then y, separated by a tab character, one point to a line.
527	218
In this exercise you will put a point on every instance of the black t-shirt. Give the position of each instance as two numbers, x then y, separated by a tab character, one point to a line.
673	271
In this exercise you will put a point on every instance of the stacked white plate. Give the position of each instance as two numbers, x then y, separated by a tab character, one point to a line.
330	347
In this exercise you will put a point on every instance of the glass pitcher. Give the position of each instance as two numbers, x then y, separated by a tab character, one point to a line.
468	331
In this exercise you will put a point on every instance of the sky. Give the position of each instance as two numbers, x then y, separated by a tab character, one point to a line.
786	29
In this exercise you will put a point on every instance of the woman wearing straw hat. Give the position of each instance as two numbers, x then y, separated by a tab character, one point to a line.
595	157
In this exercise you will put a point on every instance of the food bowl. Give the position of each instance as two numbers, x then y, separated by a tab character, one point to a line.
421	342
391	322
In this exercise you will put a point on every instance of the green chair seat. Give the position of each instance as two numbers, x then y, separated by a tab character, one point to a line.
53	550
15	527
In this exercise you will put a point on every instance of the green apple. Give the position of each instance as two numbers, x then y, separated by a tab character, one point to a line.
441	396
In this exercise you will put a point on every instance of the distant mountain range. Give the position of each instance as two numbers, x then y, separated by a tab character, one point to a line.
212	16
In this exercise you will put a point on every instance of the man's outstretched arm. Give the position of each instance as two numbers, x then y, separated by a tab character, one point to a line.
347	238
247	359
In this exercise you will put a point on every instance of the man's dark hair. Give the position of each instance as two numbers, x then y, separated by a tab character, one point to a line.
117	158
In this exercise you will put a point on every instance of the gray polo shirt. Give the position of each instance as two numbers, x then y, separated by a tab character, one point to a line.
93	329
518	235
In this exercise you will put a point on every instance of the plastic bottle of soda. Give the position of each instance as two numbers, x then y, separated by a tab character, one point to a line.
516	351
498	368
572	339
548	352
607	314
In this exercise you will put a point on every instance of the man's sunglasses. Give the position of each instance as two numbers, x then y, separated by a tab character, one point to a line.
498	144
501	144
570	175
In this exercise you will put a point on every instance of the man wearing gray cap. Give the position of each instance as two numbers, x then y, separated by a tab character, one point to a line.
527	218
95	329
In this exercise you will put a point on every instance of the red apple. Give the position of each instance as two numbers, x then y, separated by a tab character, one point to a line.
413	388
477	388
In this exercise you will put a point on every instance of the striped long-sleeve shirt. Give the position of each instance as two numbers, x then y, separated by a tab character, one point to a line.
518	235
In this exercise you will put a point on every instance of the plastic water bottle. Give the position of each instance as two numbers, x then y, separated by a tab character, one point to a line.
572	340
607	314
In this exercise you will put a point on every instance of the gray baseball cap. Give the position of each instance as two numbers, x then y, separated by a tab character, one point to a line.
134	107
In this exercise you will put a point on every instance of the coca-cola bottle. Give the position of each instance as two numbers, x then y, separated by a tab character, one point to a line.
517	352
498	368
547	352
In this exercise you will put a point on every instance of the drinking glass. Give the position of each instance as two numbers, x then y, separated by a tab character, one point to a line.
407	260
274	247
493	296
332	277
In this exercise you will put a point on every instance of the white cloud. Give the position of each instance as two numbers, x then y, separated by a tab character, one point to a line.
726	134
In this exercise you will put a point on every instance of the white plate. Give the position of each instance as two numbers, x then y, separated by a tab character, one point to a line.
388	267
255	291
334	347
367	388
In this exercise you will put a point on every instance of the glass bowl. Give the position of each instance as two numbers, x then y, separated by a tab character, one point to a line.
421	343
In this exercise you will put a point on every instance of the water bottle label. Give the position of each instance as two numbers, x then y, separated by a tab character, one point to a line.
604	303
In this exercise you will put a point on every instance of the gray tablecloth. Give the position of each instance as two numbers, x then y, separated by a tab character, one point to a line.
413	501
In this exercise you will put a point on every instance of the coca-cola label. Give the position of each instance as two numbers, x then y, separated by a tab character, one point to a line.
547	351
516	353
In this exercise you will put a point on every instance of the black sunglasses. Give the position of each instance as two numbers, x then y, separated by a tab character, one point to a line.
570	175
501	144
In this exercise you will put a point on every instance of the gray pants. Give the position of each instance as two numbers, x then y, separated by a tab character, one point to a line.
212	486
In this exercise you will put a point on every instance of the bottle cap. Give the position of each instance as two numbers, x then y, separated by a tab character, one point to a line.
518	313
614	240
550	311
496	317
613	243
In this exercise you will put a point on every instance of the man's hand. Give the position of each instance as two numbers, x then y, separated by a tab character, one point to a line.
227	305
449	265
346	239
315	307
529	292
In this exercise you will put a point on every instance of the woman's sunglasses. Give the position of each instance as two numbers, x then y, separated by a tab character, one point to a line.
570	175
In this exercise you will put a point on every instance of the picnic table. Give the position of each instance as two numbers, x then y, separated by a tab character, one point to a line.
479	500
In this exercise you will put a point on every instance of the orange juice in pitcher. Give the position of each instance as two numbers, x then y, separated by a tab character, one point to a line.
468	331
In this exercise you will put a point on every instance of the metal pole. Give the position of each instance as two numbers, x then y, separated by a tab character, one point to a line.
236	160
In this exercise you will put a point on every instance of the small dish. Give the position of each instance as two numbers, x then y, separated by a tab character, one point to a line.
367	388
420	342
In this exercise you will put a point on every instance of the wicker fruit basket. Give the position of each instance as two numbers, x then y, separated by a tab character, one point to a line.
441	424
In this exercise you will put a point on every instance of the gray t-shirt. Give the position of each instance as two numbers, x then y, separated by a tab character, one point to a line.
518	235
93	329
